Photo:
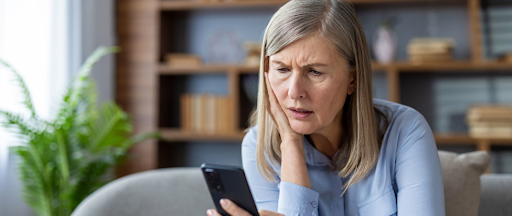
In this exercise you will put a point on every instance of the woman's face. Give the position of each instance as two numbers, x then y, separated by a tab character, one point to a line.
311	83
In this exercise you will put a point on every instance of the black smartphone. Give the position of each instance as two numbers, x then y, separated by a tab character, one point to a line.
229	182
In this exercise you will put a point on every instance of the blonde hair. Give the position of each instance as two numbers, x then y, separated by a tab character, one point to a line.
336	22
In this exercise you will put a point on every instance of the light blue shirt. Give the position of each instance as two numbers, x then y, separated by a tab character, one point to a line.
407	179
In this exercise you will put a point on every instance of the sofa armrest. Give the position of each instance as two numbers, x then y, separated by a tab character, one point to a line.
496	195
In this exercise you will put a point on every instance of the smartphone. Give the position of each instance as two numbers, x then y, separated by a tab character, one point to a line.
229	182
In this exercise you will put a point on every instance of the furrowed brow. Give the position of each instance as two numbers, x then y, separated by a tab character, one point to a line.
305	66
280	63
315	64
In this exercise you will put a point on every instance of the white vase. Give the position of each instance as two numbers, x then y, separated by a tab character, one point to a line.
384	44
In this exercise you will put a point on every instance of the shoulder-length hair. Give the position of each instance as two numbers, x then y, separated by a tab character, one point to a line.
336	22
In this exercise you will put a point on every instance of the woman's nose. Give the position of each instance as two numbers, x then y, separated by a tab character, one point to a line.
296	90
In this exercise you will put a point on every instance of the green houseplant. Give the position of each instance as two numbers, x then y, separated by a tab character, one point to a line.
64	160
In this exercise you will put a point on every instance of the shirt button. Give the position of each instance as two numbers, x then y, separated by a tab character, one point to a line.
314	204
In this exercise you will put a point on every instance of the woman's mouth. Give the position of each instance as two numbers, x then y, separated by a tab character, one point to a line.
299	113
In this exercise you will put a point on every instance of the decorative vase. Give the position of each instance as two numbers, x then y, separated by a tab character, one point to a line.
384	44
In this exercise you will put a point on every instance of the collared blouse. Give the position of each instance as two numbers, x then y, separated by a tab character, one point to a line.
407	179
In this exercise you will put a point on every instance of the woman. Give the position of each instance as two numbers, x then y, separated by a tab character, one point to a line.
319	144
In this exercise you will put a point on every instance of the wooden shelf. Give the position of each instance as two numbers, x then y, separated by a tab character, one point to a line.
456	66
176	5
441	138
198	4
166	69
172	134
402	67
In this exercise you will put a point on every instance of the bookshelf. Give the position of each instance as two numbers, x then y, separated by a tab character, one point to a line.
150	89
215	4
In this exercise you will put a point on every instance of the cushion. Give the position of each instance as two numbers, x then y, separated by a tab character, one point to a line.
461	178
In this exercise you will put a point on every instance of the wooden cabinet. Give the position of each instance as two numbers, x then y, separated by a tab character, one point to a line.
150	90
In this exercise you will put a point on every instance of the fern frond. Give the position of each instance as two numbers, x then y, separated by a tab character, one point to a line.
34	186
89	180
81	93
81	82
111	129
27	99
25	128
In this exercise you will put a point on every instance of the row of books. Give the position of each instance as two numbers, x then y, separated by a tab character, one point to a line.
421	50
490	121
497	31
207	114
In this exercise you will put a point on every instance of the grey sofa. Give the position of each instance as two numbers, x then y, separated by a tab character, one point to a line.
170	191
496	195
182	191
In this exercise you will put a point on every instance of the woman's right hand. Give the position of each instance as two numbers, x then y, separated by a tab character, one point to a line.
233	209
280	119
293	161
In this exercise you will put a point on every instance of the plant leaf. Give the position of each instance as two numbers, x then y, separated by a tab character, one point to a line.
27	99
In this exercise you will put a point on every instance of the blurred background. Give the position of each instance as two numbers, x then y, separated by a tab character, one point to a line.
188	68
47	41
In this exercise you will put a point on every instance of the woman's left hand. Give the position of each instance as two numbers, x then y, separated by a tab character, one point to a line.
231	208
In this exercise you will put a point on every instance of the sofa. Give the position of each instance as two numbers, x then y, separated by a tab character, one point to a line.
183	191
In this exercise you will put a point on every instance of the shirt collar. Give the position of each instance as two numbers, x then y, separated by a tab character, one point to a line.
313	156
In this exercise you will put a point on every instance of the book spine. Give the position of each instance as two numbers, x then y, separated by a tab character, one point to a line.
185	112
210	114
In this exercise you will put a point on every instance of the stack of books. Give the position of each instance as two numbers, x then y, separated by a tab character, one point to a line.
490	121
181	60
206	114
421	50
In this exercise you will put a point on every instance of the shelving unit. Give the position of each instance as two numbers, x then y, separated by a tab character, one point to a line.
194	5
142	78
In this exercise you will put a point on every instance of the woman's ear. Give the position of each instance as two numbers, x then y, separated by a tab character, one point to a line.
353	83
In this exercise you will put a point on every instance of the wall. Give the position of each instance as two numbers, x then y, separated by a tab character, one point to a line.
98	29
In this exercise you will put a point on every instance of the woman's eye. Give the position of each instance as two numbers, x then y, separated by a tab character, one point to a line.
282	69
315	72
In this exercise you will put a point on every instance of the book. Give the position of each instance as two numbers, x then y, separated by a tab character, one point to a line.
185	112
197	113
223	115
181	60
209	113
219	115
431	58
489	113
429	50
490	132
432	42
230	115
490	123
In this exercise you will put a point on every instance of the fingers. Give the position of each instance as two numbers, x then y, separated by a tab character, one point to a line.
268	213
233	209
279	116
271	97
273	107
213	212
